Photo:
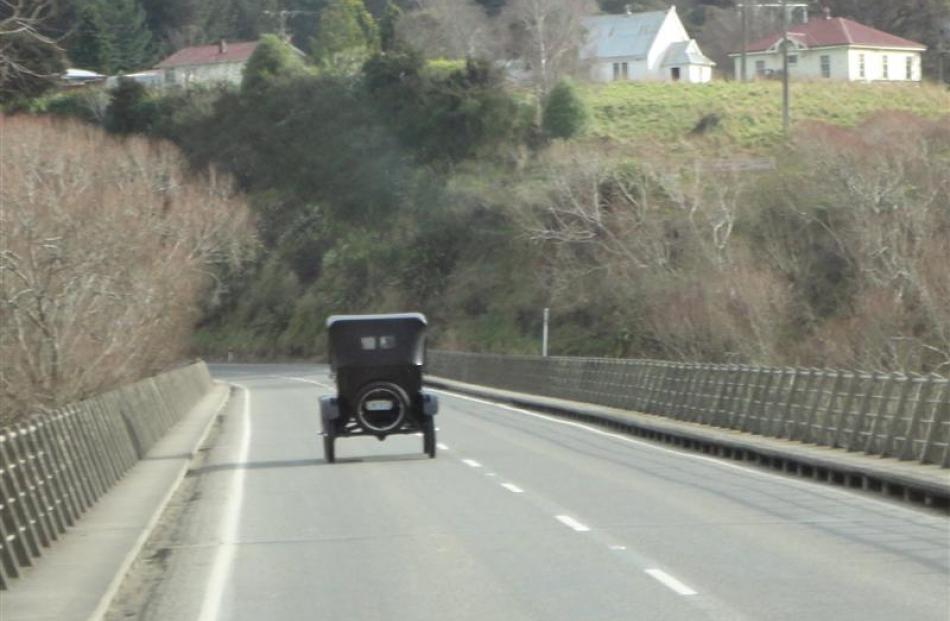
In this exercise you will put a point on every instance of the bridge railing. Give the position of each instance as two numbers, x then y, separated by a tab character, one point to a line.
886	414
54	466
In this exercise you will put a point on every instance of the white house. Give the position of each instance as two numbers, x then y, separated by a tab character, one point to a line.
222	62
838	49
652	46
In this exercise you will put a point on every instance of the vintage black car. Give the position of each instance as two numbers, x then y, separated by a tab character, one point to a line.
377	361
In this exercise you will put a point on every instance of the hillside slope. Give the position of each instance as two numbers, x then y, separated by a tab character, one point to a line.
750	115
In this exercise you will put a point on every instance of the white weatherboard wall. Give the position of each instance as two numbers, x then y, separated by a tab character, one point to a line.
845	64
217	73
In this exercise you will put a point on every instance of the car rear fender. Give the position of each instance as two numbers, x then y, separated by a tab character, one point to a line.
329	408
430	404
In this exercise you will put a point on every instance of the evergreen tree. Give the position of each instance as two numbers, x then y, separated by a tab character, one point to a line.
565	114
131	109
272	58
92	44
387	27
126	35
346	29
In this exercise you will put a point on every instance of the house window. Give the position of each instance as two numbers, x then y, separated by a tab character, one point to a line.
621	71
793	59
675	73
910	67
884	71
826	66
760	67
862	71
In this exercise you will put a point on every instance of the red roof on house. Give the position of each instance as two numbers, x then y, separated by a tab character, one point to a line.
834	32
210	54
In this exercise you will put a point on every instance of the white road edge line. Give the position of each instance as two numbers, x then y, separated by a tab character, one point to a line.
765	474
224	554
571	523
307	381
472	463
511	487
670	581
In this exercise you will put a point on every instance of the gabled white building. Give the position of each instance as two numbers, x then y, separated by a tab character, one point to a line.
221	63
652	46
838	49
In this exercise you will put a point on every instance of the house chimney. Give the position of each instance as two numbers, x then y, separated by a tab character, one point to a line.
826	10
222	46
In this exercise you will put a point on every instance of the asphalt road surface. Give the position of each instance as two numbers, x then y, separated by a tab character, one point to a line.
520	516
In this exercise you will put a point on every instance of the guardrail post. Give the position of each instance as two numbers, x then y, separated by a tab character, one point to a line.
786	417
940	416
21	522
845	412
879	414
78	438
859	421
34	486
809	431
910	439
54	471
79	492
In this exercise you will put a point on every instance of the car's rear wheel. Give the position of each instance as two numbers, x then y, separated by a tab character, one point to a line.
381	407
428	436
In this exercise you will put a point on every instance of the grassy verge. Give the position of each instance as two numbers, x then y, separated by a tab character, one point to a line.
749	114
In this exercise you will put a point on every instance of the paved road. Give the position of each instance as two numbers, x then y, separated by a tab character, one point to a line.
519	517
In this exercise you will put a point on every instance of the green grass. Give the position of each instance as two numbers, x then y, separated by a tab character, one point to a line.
750	114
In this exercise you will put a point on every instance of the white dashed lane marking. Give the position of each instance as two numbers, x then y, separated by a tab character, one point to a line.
572	523
511	487
670	581
472	463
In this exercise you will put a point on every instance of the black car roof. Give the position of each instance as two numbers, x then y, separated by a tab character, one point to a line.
334	319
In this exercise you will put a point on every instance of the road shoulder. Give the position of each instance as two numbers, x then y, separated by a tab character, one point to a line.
78	578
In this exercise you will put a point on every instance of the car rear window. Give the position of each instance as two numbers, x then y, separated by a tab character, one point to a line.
370	343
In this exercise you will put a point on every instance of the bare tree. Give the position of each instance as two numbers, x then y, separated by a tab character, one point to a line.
453	29
549	35
29	58
106	248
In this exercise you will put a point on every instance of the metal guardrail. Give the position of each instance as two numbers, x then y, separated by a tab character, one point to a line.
885	414
54	466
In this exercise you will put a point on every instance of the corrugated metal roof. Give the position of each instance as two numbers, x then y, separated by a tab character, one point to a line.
833	32
612	36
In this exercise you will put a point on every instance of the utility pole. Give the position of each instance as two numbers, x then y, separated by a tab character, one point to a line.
544	333
745	42
785	93
785	7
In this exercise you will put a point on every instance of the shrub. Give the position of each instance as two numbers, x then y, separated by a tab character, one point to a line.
565	114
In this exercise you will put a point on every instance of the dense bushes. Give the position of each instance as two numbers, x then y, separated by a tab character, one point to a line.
107	248
830	260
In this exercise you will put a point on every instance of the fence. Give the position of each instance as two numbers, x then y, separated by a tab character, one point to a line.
54	466
884	414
